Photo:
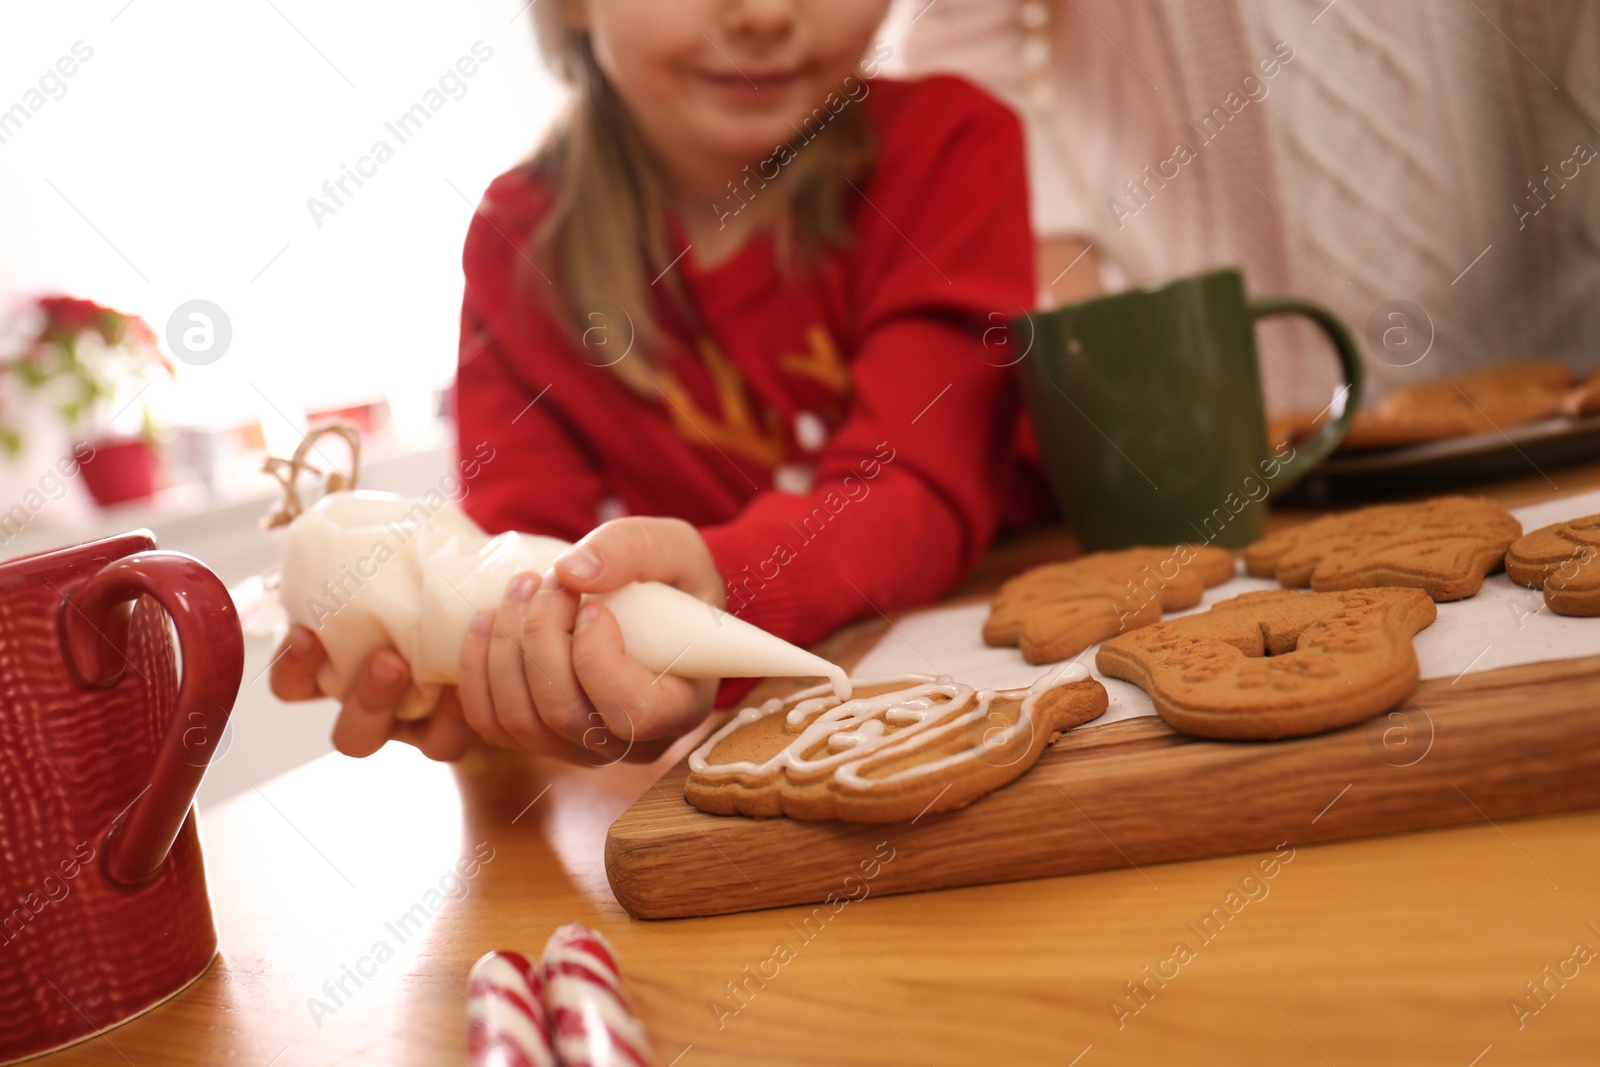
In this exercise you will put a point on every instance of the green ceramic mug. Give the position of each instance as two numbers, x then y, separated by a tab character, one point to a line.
1148	409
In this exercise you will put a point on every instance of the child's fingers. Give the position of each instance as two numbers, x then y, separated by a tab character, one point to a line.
547	663
642	549
509	668
634	703
295	664
367	718
498	708
444	735
472	683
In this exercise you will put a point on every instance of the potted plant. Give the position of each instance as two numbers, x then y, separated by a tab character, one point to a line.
92	365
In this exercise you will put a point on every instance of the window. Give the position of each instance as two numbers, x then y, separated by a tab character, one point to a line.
309	168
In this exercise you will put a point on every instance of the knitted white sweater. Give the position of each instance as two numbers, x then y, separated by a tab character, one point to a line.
1355	153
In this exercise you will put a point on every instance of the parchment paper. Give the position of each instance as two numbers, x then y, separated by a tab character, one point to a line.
1503	626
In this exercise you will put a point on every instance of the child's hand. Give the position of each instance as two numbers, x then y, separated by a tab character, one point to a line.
366	720
542	669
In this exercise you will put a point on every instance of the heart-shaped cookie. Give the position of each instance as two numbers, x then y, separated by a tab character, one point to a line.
1562	560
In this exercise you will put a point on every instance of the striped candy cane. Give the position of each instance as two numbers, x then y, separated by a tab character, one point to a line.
593	1024
506	1021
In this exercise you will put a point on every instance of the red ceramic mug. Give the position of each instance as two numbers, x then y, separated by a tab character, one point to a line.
103	908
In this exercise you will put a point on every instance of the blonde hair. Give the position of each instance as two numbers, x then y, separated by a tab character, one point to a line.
605	234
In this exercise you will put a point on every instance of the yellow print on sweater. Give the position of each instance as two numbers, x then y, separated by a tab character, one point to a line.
752	431
733	427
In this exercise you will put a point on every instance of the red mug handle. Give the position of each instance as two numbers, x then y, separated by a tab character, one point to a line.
212	648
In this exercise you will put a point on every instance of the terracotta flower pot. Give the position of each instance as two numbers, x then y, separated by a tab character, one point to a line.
120	471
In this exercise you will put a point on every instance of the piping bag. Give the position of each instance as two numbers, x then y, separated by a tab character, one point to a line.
365	570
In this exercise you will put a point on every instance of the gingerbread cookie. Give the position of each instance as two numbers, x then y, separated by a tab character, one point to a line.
1584	399
1562	560
1278	663
898	749
1054	612
1444	546
1512	394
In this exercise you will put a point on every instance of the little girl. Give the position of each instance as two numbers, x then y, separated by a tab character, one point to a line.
739	327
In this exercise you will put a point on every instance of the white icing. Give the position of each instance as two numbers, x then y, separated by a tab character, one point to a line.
855	730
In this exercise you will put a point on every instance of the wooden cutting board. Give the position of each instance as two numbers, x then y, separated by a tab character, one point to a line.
1497	745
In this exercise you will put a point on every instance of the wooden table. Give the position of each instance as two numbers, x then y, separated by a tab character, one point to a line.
1407	949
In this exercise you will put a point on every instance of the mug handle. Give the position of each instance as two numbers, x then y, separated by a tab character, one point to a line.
1326	439
212	647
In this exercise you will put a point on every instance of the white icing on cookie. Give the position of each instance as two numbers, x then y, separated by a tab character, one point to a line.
855	730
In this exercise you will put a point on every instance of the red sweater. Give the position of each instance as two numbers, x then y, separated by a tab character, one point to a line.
878	374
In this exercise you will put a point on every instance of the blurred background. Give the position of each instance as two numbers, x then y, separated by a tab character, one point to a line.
184	159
